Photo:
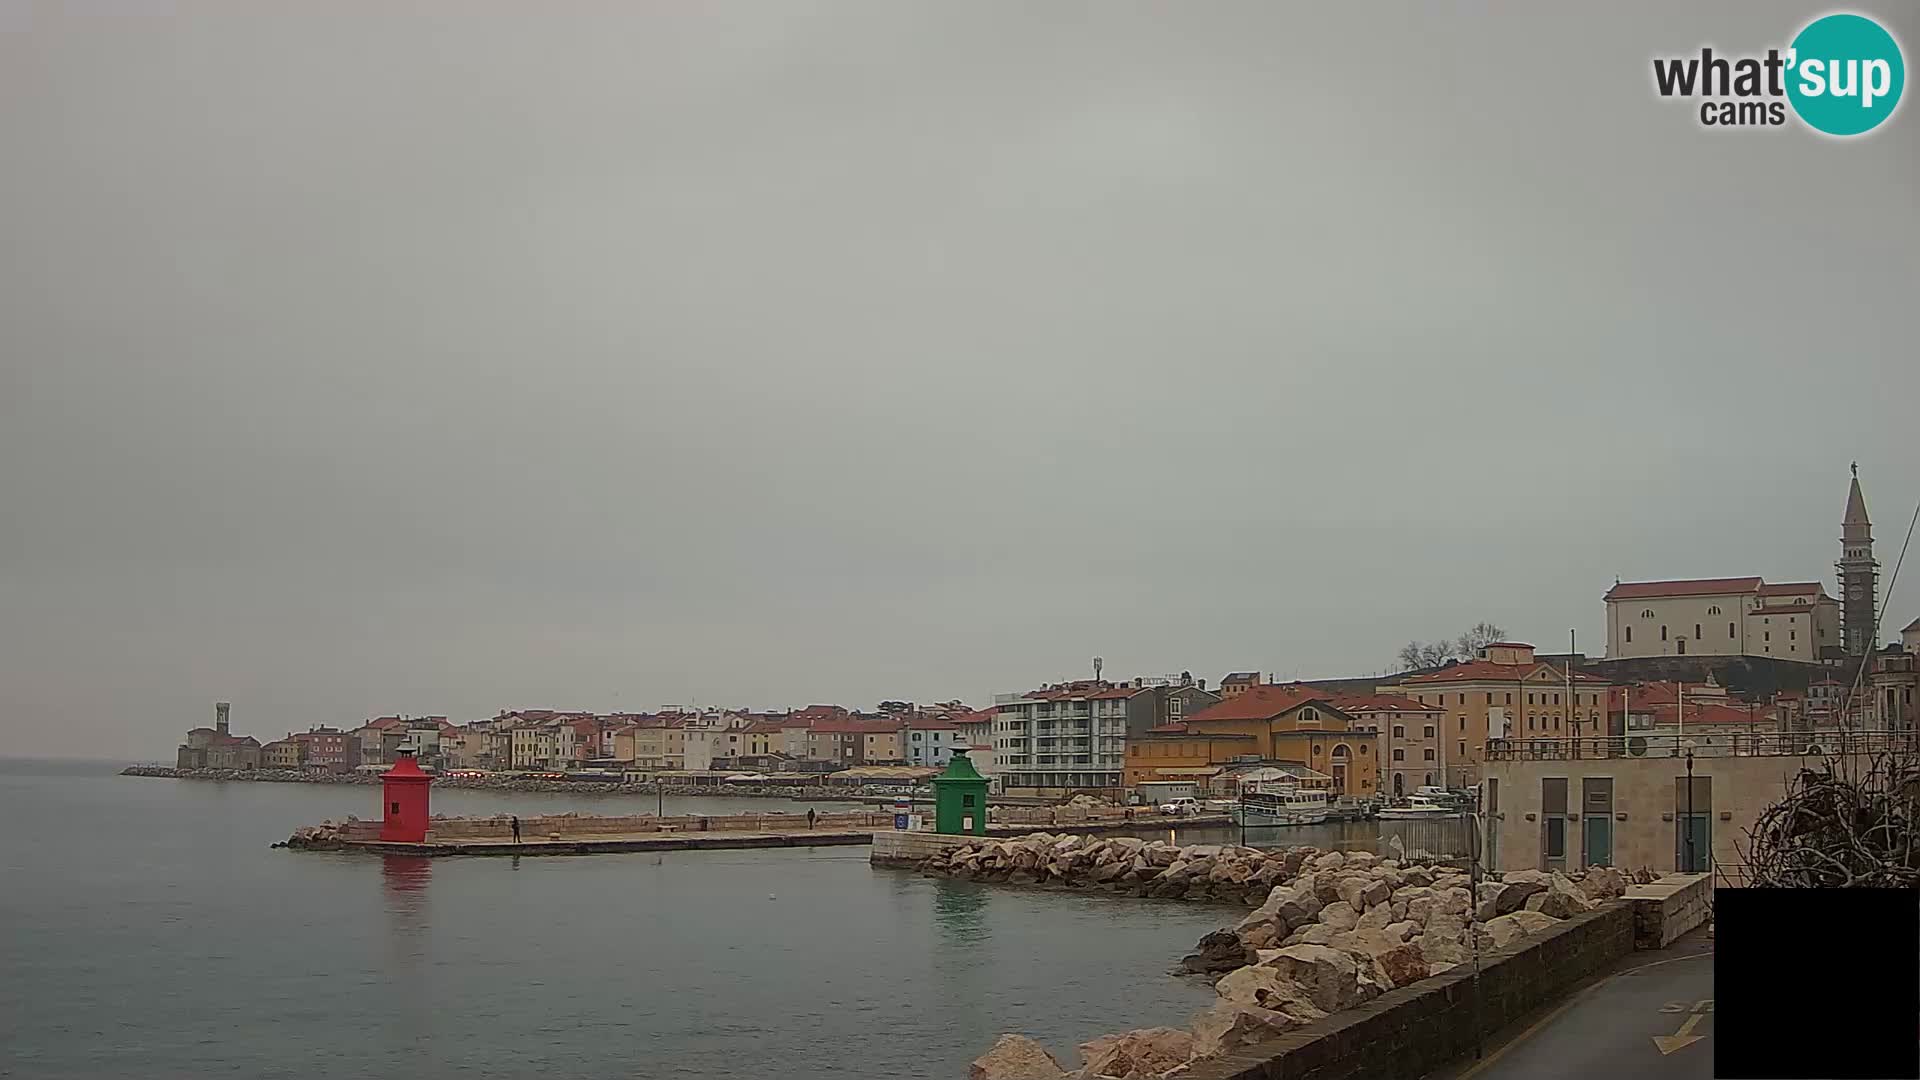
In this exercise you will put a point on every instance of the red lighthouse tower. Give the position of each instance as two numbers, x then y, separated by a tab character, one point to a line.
405	794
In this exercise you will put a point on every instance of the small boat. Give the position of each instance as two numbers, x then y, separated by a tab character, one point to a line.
1282	805
1418	806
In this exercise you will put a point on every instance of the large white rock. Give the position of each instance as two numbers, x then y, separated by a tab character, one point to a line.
1263	986
1603	883
1229	1026
1328	975
1502	931
1339	915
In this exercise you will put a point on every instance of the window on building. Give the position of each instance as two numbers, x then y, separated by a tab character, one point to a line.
1663	633
1696	631
1556	699
1714	610
1463	723
1489	697
1430	731
1729	630
1793	635
1647	614
1463	750
1629	633
1399	731
1530	699
1766	635
1399	754
1463	699
1363	749
1509	699
1429	753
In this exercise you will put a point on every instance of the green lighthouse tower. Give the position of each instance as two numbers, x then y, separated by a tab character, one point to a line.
960	798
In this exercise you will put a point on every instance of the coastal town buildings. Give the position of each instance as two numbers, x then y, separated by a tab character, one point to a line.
1263	724
1407	737
1504	693
1061	739
1747	616
217	747
1743	616
1233	684
931	740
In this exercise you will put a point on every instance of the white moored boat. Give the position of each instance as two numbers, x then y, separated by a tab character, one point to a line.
1282	804
1418	806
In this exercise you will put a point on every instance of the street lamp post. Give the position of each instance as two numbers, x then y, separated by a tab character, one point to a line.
1686	834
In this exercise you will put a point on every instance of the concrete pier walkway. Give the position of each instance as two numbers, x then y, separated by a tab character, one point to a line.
1651	1019
601	845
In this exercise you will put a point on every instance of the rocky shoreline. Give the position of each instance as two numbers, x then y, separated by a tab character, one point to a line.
494	783
1332	930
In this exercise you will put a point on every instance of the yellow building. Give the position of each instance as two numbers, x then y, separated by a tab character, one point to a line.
1291	724
654	747
1505	694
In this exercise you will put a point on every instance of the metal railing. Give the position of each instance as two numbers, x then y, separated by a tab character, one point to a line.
1708	742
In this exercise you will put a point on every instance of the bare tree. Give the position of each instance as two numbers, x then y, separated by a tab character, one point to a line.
1415	655
1477	637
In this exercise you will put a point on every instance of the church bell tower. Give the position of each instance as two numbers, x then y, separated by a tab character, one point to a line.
1859	573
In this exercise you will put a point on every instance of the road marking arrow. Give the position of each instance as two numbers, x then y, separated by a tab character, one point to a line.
1680	1039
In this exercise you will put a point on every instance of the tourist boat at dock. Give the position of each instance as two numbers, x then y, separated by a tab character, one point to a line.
1281	804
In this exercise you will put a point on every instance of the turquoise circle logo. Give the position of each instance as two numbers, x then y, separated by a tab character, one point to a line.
1846	74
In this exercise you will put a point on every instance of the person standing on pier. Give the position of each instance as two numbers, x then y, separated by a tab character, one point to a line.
811	817
516	828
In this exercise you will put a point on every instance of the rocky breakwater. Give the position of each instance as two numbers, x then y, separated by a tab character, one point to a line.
1124	864
1343	929
325	836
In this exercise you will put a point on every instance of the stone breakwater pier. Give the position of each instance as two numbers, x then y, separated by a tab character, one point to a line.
593	834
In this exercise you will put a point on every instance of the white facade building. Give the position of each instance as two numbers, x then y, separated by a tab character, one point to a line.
1721	617
1061	739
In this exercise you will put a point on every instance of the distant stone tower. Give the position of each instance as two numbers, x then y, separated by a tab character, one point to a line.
1859	573
220	710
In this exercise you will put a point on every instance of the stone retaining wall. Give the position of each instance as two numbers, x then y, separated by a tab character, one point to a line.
1669	907
1414	1030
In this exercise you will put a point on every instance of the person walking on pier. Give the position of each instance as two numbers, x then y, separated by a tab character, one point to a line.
516	828
811	817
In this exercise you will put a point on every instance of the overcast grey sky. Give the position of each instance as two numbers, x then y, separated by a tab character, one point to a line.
360	358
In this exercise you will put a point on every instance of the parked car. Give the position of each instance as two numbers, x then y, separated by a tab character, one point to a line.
1185	804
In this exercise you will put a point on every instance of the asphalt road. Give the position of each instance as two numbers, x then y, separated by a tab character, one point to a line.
1651	1020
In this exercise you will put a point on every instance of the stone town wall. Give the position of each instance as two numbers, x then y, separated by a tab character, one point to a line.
1418	1028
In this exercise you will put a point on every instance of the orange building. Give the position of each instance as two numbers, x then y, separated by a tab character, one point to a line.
1275	724
1505	693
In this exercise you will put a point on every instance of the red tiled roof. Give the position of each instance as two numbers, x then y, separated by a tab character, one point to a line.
1911	627
1488	671
1356	703
1262	703
1792	588
1239	676
931	723
856	727
764	727
1642	590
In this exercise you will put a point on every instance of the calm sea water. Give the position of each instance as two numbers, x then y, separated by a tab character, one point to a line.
150	931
